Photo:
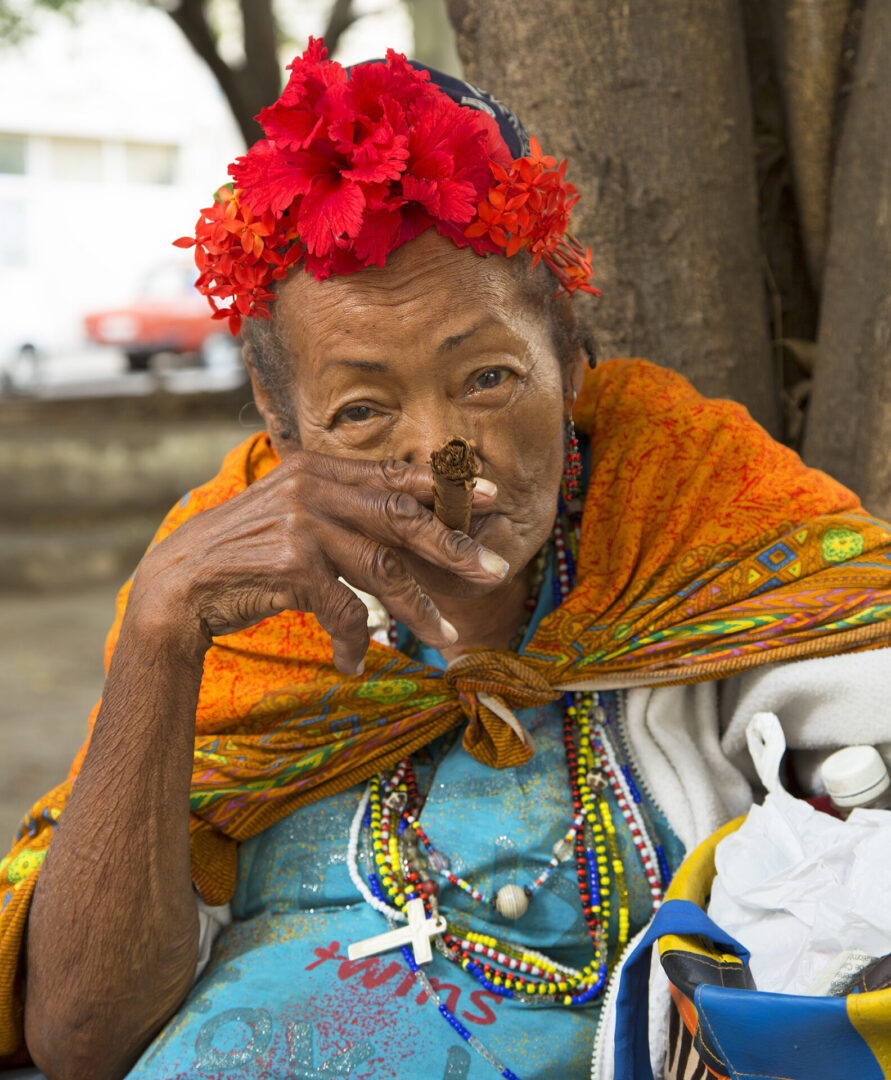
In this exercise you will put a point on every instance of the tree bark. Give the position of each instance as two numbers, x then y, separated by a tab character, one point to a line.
650	104
849	423
807	38
261	63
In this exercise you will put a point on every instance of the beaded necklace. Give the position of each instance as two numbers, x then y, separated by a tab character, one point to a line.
403	864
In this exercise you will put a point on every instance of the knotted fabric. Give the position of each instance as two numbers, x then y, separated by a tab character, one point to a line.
706	548
490	685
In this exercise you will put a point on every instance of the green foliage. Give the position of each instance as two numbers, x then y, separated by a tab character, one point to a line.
18	17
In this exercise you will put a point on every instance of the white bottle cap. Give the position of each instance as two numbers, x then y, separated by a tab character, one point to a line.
855	775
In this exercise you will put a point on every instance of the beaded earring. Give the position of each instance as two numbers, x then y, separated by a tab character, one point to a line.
572	467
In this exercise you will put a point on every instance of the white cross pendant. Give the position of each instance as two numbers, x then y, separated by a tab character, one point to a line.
418	933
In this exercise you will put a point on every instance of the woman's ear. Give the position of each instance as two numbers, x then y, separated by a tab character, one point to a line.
279	423
575	373
576	362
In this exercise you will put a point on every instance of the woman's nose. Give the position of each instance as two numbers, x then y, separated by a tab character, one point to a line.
427	431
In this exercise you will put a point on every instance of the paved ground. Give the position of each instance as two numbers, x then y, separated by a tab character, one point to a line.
50	677
84	481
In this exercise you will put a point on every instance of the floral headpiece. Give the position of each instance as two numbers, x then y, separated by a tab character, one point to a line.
355	164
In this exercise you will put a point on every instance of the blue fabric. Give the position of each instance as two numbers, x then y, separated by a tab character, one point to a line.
632	1049
280	998
799	1037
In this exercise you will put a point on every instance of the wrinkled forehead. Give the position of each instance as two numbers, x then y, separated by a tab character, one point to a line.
427	286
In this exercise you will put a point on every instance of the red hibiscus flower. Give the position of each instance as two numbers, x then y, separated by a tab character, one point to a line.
356	164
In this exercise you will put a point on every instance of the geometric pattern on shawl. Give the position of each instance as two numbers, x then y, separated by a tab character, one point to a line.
706	549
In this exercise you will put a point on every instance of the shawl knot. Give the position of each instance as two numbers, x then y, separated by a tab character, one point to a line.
490	685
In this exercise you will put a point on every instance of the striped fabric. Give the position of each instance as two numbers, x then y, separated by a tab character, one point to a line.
682	1061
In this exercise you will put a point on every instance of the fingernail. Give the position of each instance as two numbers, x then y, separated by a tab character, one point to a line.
493	564
485	487
448	630
360	670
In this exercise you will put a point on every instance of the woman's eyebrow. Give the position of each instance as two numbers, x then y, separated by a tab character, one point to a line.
361	365
380	367
456	339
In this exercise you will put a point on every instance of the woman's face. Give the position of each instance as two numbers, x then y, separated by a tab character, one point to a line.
390	362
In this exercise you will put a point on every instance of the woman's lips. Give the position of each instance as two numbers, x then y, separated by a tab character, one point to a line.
477	523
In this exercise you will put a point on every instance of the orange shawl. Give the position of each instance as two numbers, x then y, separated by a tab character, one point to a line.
706	548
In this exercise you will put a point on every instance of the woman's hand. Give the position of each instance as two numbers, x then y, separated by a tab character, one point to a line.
284	542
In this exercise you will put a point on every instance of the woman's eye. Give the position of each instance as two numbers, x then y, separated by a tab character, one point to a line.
355	414
491	378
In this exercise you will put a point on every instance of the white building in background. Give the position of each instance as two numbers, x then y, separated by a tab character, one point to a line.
112	135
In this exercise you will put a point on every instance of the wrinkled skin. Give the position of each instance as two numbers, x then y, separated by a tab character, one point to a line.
386	364
390	363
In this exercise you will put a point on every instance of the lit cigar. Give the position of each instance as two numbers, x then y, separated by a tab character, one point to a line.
454	467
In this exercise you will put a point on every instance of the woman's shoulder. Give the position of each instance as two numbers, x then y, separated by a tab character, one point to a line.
632	386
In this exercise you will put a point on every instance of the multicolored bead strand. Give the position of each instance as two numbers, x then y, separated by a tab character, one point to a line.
572	468
498	967
453	1021
618	780
443	870
403	862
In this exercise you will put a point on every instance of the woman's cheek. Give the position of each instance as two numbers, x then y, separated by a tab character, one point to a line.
538	434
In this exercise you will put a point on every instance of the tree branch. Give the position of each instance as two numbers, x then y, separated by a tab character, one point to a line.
191	18
247	89
340	19
261	51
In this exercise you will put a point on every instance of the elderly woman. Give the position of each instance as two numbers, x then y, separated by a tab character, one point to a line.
435	843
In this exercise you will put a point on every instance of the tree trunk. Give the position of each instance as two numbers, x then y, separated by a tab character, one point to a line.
261	60
849	422
807	39
650	104
246	87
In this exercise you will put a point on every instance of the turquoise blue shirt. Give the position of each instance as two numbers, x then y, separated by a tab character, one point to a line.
280	999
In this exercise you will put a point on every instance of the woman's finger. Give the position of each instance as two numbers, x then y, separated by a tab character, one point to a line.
380	571
397	519
384	475
345	618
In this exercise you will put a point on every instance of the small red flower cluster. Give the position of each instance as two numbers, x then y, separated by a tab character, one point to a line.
238	256
354	167
529	207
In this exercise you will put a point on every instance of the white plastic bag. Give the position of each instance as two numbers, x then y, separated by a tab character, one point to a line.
797	886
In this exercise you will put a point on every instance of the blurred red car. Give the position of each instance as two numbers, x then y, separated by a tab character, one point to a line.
169	315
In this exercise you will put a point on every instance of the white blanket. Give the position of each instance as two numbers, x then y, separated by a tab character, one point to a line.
689	745
689	741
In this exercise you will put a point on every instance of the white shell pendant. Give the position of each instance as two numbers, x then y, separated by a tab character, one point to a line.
562	850
511	901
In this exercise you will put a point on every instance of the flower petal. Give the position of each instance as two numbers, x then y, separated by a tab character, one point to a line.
331	209
513	245
272	179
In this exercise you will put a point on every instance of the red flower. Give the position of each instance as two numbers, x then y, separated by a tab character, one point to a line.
448	166
353	167
330	213
294	118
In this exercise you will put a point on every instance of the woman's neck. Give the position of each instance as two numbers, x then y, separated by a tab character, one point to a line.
490	622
